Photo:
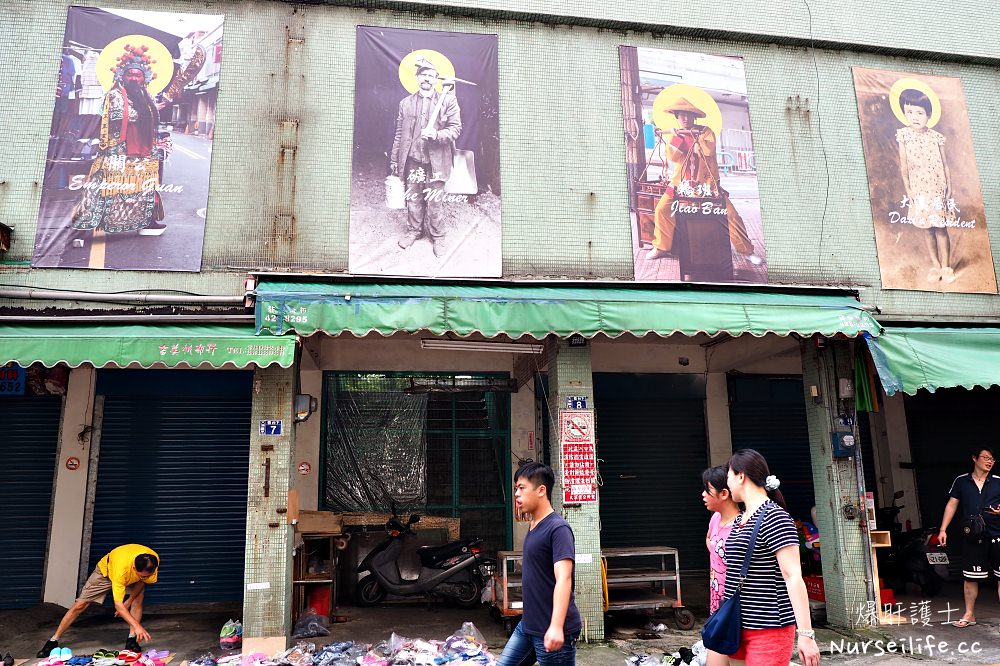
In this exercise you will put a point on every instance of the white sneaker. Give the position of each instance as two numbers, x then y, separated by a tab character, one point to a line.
657	254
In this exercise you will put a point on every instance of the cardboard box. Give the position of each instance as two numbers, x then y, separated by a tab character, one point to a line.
320	522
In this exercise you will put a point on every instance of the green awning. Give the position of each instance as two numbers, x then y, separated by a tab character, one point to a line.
122	345
538	311
909	359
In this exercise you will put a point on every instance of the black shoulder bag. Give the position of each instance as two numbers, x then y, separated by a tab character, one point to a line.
722	631
973	525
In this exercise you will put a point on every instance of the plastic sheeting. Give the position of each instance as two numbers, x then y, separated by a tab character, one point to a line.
375	445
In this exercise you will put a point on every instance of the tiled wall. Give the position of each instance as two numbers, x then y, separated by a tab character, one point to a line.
287	79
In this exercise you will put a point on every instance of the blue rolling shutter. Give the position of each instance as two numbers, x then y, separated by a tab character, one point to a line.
769	414
28	445
172	475
653	448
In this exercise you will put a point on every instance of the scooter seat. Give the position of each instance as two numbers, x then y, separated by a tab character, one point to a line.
432	554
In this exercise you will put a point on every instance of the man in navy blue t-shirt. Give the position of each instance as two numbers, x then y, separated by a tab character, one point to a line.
977	492
550	624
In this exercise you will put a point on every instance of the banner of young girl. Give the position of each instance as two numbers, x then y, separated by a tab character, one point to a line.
927	206
425	186
693	197
130	145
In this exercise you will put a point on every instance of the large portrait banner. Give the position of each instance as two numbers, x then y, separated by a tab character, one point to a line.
693	197
927	205
130	144
425	186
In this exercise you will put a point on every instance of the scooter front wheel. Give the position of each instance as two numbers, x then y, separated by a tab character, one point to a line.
369	592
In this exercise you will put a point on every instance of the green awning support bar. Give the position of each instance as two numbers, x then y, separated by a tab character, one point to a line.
910	359
144	345
538	311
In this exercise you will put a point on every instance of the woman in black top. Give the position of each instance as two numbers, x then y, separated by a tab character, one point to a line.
773	599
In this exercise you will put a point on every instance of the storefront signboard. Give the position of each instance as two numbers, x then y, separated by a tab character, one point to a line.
12	379
579	455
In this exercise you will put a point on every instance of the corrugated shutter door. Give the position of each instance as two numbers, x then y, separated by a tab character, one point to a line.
28	445
173	476
945	427
769	414
653	450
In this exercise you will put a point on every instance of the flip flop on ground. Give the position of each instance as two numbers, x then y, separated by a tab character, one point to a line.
963	623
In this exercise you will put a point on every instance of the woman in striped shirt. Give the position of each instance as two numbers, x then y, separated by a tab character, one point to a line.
773	599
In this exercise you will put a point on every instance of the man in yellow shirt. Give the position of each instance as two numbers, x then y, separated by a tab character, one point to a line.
128	569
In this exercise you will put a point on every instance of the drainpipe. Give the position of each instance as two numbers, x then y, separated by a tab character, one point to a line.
128	319
143	299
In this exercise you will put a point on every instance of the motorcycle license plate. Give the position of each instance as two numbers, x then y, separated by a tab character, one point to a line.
937	558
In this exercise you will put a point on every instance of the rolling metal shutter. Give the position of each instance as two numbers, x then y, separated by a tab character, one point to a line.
174	456
769	414
652	448
28	445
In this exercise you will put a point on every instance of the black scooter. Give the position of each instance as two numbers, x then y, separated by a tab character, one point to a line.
455	571
915	556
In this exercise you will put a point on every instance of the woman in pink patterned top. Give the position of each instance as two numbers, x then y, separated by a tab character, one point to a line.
724	510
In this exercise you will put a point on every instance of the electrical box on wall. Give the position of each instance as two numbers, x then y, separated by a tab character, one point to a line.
844	445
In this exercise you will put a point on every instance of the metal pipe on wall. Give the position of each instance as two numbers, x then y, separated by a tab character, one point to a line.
151	299
128	319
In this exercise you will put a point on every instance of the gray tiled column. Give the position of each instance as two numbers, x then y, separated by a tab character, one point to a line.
268	578
570	374
845	546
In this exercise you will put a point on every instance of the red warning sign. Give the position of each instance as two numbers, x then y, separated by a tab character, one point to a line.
73	464
579	455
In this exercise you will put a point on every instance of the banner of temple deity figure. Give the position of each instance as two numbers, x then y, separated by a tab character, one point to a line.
130	145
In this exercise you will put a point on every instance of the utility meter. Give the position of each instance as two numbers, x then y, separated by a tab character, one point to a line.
844	445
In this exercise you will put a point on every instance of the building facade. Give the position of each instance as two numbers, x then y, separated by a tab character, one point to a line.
280	267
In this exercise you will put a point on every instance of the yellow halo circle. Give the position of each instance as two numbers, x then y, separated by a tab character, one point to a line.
910	83
408	68
667	121
163	67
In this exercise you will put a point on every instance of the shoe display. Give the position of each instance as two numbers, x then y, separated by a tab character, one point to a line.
47	649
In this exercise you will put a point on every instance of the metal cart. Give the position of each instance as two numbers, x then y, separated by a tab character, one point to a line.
507	598
637	579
